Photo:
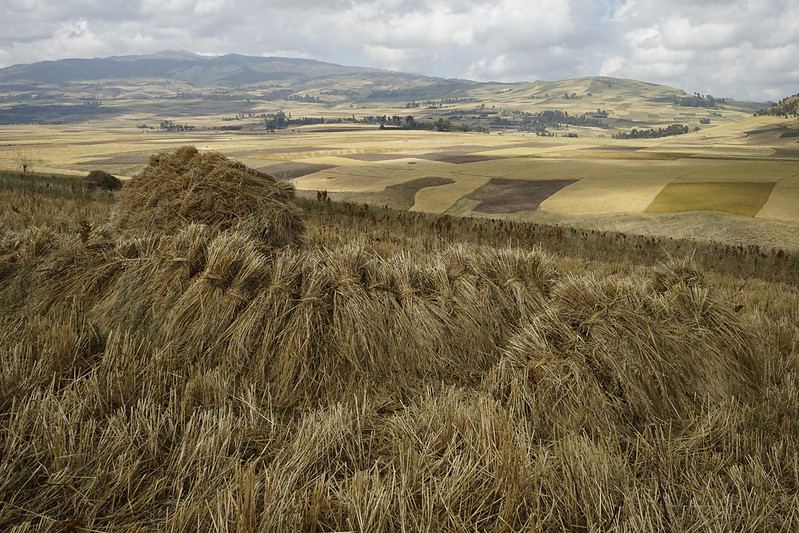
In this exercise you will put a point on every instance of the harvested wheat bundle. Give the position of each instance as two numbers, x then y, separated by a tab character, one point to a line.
186	186
609	350
103	180
33	242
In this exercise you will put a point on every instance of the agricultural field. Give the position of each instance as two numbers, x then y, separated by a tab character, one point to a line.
200	351
589	181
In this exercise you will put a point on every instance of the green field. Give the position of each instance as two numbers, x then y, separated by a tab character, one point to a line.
735	198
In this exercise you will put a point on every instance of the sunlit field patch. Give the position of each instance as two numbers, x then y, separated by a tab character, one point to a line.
440	199
783	203
292	169
403	195
707	170
739	198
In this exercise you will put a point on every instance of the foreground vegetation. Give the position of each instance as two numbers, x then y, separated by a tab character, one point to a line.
362	369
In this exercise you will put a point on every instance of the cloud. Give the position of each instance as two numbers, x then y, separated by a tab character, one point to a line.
739	48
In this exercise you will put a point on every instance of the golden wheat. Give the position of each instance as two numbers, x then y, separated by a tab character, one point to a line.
386	381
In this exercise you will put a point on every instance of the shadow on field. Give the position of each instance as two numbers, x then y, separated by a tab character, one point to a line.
502	196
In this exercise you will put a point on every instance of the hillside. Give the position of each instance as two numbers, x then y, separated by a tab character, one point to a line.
788	106
230	70
379	370
102	88
126	76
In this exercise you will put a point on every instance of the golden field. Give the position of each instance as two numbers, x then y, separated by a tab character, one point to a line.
257	363
361	163
338	327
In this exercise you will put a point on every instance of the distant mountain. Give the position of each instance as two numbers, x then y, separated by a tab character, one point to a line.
172	83
230	70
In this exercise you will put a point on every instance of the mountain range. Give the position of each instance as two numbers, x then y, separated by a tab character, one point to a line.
74	89
231	70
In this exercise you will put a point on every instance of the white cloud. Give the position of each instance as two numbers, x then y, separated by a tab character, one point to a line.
491	69
623	11
682	34
611	65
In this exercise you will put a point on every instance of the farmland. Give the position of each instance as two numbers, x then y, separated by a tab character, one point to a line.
343	130
444	173
351	326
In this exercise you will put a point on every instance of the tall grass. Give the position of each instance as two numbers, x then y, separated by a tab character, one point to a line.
398	375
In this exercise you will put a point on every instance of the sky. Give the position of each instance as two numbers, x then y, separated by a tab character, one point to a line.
745	49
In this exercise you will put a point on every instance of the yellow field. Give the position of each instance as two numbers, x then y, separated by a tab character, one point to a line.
358	163
738	198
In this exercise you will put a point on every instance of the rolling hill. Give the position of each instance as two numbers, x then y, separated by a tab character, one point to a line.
53	91
111	76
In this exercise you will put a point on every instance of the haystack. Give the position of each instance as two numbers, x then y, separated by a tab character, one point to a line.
103	180
184	187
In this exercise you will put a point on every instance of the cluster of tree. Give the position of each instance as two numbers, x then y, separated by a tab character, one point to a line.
787	107
698	100
305	121
279	120
303	98
410	123
539	122
674	129
168	125
436	104
186	95
275	121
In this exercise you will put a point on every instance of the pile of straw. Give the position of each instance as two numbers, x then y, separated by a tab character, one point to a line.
184	187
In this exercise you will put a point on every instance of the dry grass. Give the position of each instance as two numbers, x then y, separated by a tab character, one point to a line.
380	379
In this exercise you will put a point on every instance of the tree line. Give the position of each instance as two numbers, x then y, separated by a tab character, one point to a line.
674	129
787	107
410	123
